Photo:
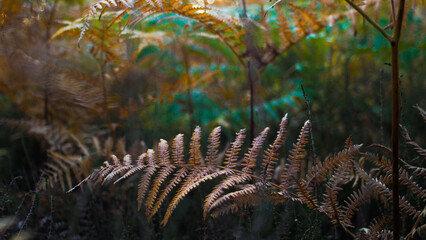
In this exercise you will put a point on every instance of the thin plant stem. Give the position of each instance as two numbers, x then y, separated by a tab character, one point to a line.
102	63
249	72
251	82
189	90
308	105
371	21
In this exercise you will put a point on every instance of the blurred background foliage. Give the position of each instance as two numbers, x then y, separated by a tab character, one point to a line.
123	90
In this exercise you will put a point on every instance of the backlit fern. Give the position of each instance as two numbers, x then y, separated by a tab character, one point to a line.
247	181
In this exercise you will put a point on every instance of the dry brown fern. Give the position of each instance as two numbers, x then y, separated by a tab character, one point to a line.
248	181
69	157
244	182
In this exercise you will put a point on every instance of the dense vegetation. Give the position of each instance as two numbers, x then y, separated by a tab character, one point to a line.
89	90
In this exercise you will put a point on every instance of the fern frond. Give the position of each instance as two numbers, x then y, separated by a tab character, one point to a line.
332	208
178	177
422	112
385	193
287	38
233	152
193	181
163	152
214	143
318	173
271	155
238	204
220	189
418	171
419	150
130	172
305	196
246	190
194	148
152	196
376	226
249	161
119	167
228	29
404	176
146	177
305	20
353	202
177	149
63	168
292	168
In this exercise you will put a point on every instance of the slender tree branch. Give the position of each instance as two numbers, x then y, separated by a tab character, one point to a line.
371	21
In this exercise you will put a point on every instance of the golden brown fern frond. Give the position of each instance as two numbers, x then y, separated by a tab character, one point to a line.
416	170
381	191
152	196
176	180
146	177
271	154
305	195
163	152
318	172
404	177
246	192
194	148
249	161
376	226
193	181
331	206
356	199
305	20
292	168
239	186
214	143
177	149
228	29
239	203
233	152
69	156
64	168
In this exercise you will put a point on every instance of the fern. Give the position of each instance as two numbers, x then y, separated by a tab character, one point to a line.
242	183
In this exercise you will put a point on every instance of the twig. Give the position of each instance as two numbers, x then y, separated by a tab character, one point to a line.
310	123
249	71
33	203
52	210
371	21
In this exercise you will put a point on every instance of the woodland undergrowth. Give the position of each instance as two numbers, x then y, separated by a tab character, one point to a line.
128	73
